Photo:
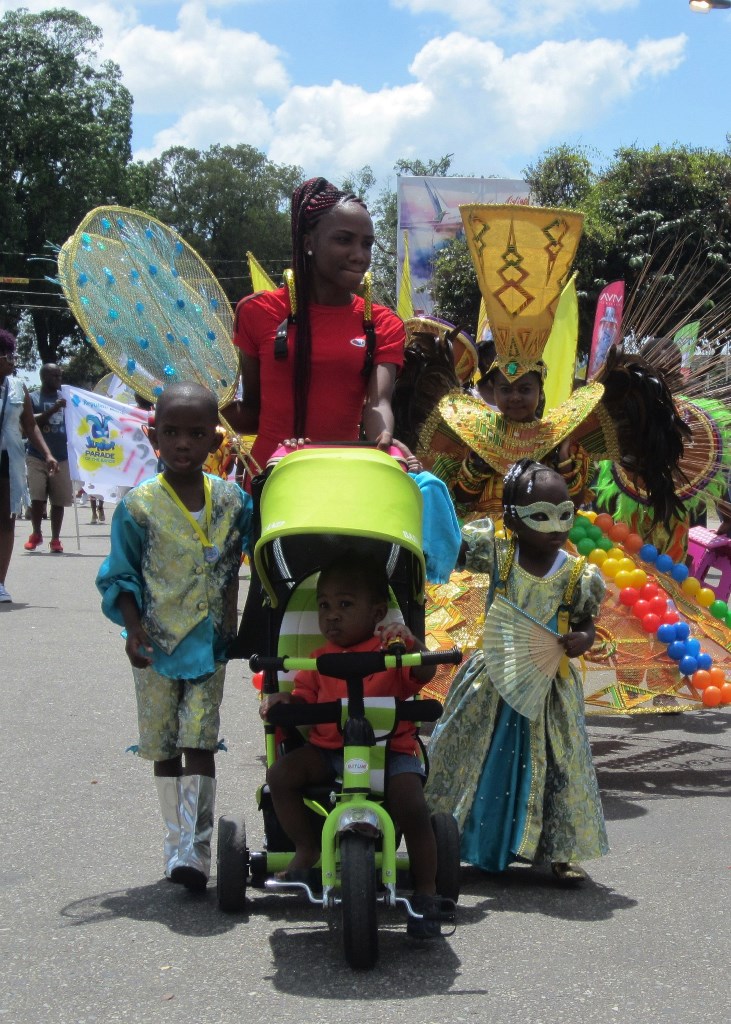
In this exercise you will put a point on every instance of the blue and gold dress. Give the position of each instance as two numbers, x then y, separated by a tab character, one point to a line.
520	789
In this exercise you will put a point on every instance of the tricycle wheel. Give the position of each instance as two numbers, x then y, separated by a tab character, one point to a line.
446	833
232	864
358	894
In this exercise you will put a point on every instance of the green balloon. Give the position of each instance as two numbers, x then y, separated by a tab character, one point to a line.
586	545
719	609
605	543
577	533
595	532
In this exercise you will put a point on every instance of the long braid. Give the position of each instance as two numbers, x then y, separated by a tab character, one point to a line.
310	202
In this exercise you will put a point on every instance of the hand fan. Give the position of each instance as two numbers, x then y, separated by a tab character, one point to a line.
521	656
148	303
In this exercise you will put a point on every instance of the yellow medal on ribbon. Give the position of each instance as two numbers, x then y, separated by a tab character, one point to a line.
211	553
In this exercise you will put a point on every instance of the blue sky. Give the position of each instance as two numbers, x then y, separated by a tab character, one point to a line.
331	86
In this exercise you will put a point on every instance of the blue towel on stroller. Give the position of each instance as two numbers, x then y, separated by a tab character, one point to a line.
441	532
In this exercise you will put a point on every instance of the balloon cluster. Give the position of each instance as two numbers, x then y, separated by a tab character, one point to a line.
608	545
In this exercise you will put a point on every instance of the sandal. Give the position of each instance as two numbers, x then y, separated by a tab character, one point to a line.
429	924
569	874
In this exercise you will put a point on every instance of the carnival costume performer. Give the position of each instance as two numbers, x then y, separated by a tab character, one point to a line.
318	361
522	785
522	256
171	579
702	397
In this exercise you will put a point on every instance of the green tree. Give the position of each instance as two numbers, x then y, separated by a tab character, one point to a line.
224	201
65	129
454	286
657	219
563	177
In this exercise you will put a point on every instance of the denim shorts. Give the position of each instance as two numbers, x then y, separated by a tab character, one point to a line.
397	764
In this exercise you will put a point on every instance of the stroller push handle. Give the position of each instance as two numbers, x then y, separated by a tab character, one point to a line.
347	664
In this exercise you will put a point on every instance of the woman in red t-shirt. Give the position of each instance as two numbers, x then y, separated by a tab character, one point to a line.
313	362
317	360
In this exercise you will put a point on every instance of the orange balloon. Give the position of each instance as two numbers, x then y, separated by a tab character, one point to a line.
711	696
718	676
604	521
633	543
619	532
705	597
701	679
726	693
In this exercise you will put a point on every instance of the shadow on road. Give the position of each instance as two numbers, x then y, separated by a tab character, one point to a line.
654	758
183	912
405	970
524	889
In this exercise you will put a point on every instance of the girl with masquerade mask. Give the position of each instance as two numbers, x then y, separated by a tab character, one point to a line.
527	790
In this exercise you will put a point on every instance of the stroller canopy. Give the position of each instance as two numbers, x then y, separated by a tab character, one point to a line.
317	502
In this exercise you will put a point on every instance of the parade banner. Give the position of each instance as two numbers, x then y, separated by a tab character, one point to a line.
607	325
429	219
107	443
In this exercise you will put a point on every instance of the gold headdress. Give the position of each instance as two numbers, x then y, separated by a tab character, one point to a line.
522	256
464	353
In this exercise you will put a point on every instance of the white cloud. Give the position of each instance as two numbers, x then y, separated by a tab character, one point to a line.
343	126
199	63
526	99
205	83
507	17
470	98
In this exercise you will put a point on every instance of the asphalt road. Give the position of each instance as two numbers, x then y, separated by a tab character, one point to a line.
91	934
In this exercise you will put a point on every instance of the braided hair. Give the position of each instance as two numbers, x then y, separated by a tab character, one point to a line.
523	471
310	202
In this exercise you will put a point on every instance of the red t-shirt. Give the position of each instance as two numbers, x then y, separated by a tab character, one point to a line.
337	386
314	688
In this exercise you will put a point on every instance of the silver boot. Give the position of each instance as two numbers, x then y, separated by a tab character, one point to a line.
167	794
197	798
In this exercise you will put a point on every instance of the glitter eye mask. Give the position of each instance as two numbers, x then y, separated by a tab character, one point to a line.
559	518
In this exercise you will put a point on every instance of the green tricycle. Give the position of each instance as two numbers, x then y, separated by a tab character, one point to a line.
360	865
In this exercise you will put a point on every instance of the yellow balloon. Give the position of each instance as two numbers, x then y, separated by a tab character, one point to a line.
705	597
610	567
591	516
597	557
638	578
690	586
617	553
623	578
626	564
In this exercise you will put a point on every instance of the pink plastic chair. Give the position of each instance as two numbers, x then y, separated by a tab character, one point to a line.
709	551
